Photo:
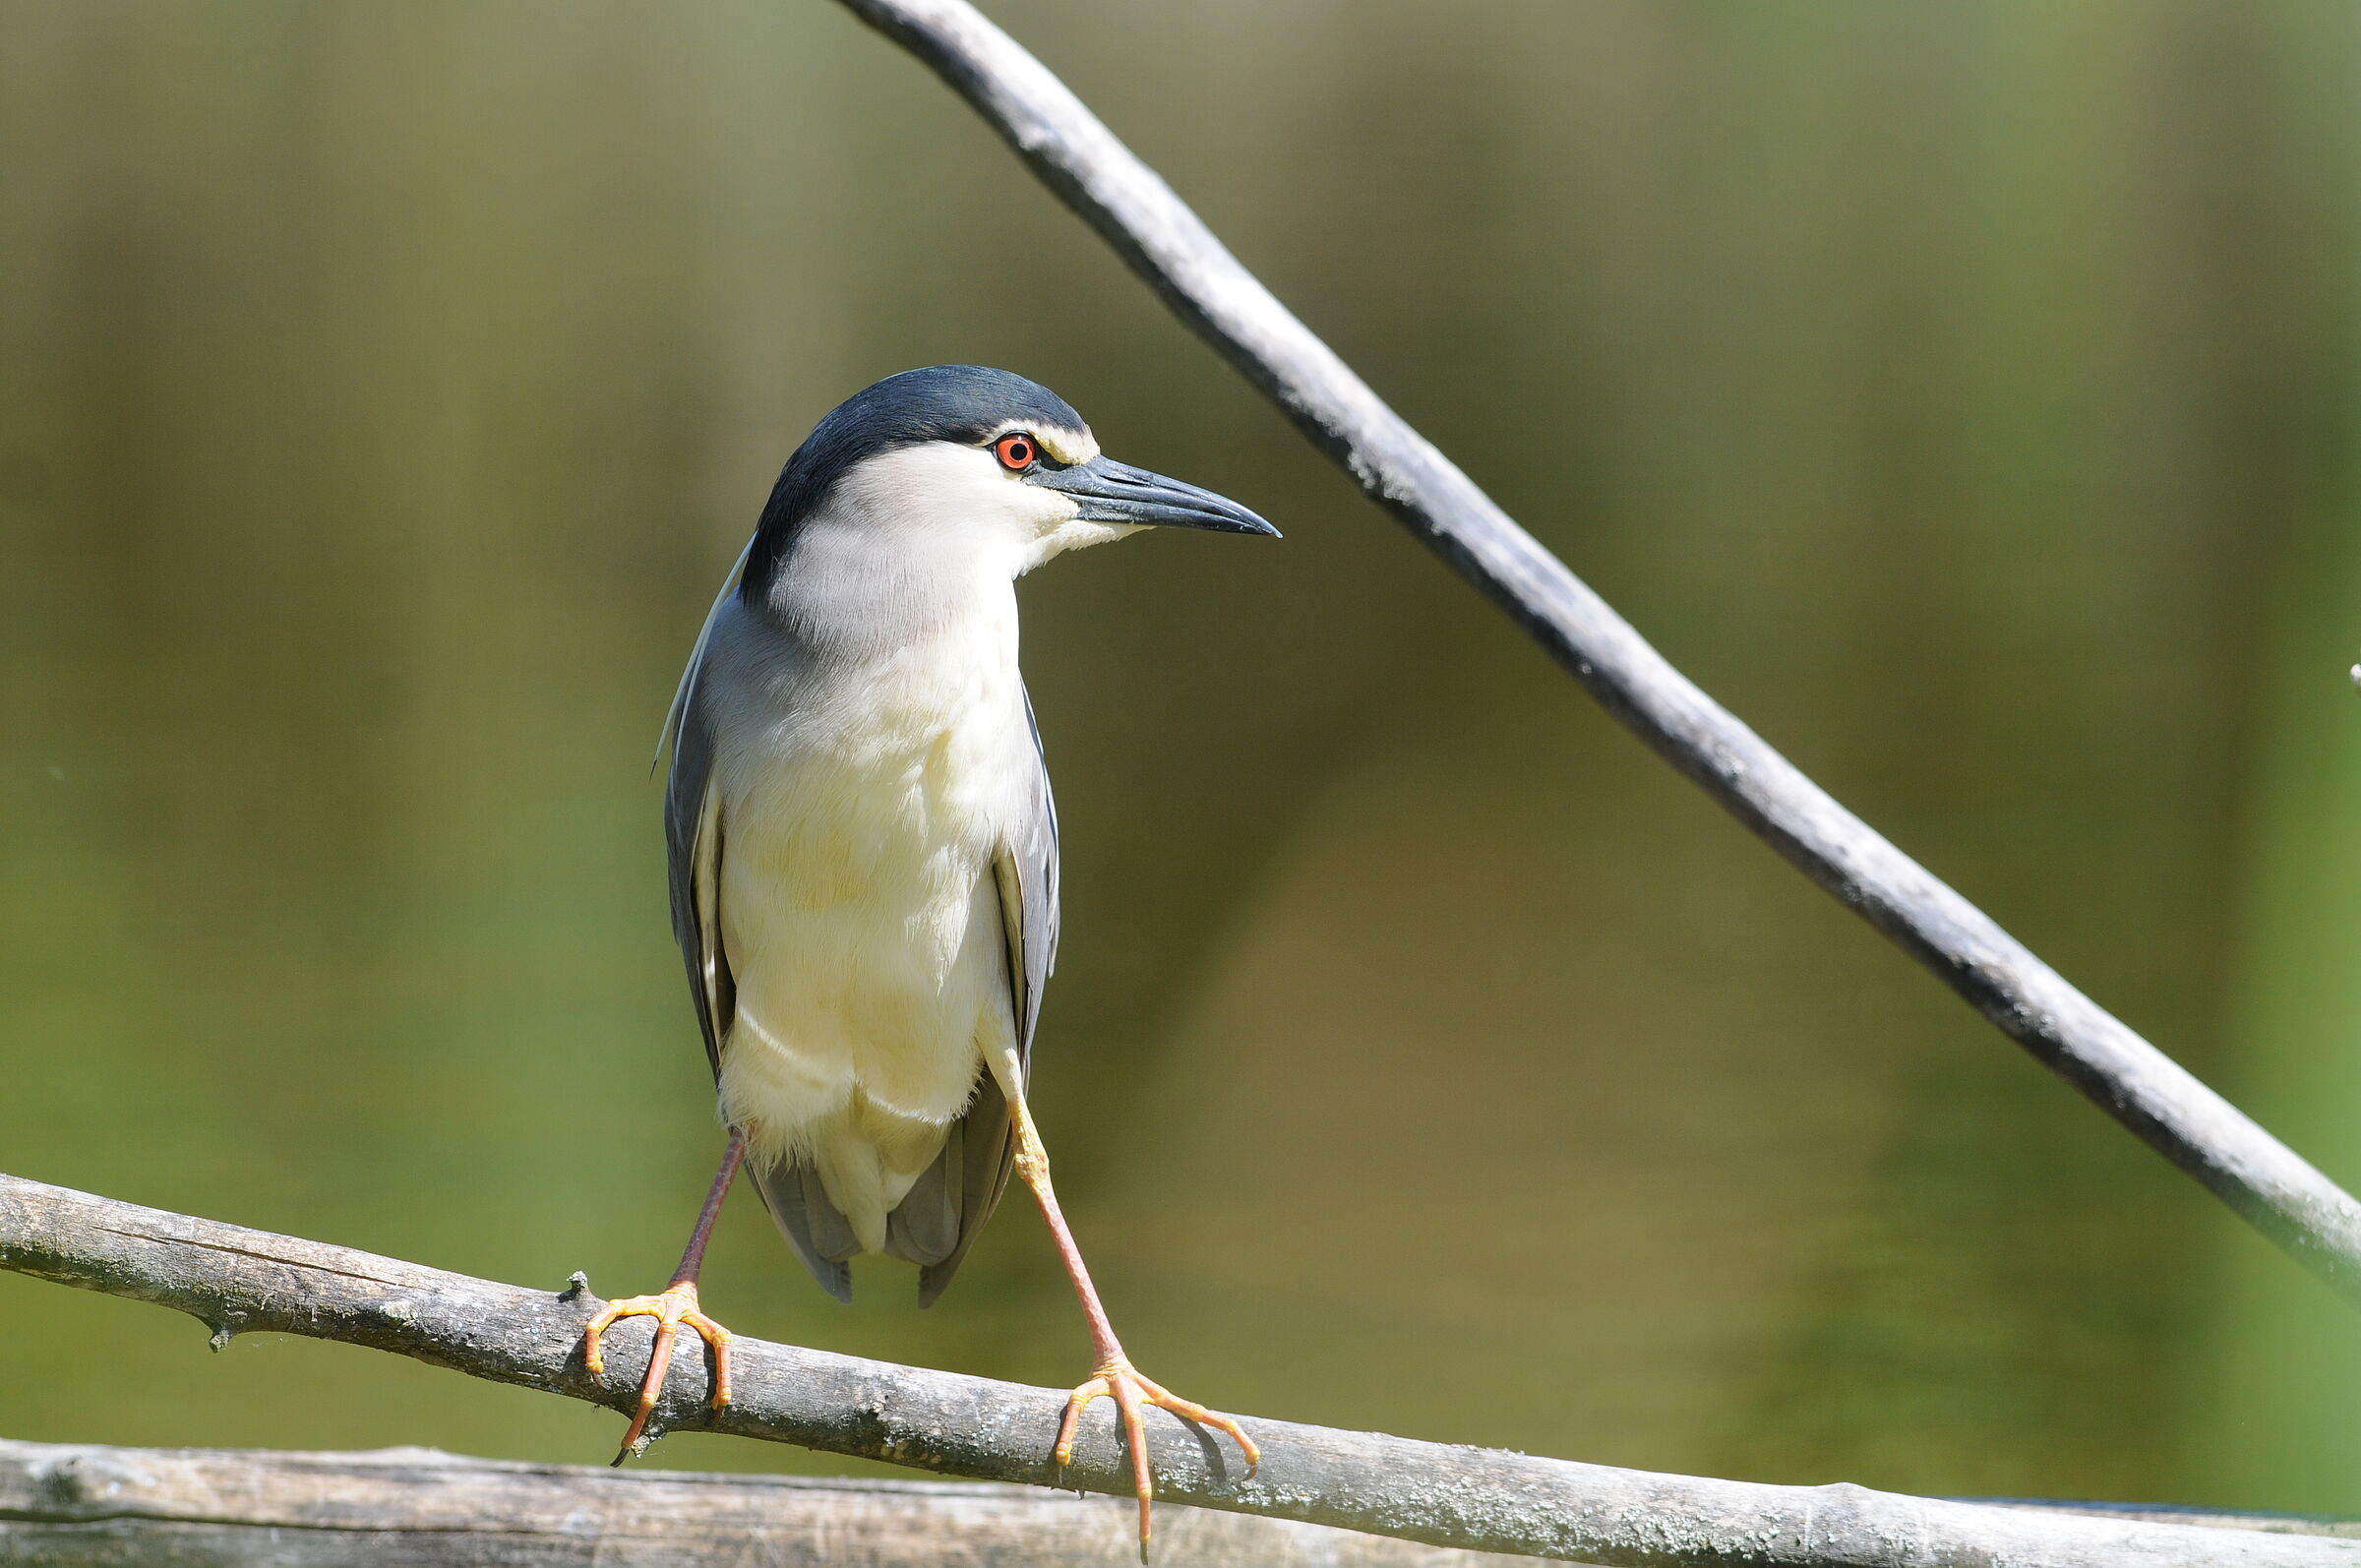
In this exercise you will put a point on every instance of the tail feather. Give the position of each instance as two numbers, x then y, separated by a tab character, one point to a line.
987	1152
934	1222
820	1236
924	1227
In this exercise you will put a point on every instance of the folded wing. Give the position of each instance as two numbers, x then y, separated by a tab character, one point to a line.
1026	875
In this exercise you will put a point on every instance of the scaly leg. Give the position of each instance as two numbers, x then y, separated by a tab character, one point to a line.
1115	1377
674	1306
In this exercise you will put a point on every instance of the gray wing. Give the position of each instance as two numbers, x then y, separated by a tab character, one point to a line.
696	838
981	1150
1030	858
692	841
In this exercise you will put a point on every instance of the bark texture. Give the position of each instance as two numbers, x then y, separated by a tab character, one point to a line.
238	1280
81	1506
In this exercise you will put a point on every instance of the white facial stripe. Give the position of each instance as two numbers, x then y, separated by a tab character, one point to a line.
1068	446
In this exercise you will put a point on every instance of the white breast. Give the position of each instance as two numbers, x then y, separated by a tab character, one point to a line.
859	910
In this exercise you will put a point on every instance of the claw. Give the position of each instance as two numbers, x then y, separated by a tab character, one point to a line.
1121	1381
672	1308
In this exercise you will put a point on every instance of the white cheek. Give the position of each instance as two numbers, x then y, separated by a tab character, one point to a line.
941	497
935	482
941	500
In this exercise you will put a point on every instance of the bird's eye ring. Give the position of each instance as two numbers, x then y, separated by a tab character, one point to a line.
1018	452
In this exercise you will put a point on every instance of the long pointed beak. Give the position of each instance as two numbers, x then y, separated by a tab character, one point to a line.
1115	492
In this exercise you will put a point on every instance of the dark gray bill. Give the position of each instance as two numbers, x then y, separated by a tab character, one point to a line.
1115	492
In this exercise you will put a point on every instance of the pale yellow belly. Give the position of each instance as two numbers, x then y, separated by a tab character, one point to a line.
862	922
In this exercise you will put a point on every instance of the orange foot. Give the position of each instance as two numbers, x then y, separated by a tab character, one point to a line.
1119	1380
675	1307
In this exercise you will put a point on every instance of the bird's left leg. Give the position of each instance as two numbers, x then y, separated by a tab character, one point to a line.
1115	1377
672	1308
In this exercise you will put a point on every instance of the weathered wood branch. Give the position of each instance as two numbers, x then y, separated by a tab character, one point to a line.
240	1281
1172	249
79	1505
86	1506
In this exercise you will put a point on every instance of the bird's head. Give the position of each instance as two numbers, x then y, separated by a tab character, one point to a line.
968	460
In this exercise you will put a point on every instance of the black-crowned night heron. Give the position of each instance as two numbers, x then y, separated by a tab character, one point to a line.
864	852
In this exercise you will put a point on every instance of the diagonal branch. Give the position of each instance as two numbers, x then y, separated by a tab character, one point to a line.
241	1281
1171	248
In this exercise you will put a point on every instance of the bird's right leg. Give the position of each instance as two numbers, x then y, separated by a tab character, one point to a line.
675	1305
1115	1378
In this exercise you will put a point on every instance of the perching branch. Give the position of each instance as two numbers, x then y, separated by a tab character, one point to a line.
241	1281
1170	247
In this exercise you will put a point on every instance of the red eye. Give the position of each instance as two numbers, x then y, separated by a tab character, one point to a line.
1016	452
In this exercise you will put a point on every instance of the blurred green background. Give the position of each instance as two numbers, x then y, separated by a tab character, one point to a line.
1964	393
